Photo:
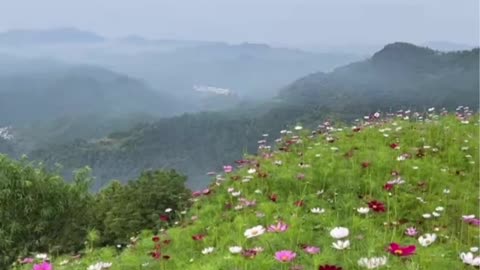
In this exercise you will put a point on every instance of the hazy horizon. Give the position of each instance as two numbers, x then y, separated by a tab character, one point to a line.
279	23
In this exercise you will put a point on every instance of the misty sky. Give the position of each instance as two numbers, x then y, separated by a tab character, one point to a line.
285	22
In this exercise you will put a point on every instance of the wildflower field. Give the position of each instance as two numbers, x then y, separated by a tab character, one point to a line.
397	191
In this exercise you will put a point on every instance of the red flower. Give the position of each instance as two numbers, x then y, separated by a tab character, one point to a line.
164	218
376	206
398	250
388	187
366	164
273	197
299	203
206	191
156	254
329	267
249	253
394	146
156	238
198	237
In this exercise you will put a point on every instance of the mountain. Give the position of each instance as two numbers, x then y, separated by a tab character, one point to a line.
75	91
49	36
447	46
253	71
399	75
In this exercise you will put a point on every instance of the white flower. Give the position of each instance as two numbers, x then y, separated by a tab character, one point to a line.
446	191
372	263
427	239
468	258
474	249
100	266
363	210
439	209
252	171
231	189
283	131
431	109
320	192
168	210
339	232
468	216
255	231
435	214
41	256
278	162
427	215
317	210
235	249
341	244
258	191
238	207
236	193
298	127
207	250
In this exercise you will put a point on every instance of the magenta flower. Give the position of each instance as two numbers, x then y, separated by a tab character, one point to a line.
279	227
411	231
227	169
311	249
43	266
285	255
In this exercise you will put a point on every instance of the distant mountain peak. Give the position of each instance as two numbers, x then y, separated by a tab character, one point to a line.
48	36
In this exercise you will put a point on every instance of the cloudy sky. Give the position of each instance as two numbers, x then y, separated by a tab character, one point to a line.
286	22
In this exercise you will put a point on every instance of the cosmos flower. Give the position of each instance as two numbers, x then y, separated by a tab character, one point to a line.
398	250
372	263
427	239
317	210
339	232
340	245
100	266
279	227
208	250
376	206
470	259
254	231
311	249
411	231
329	267
363	210
235	249
285	255
43	266
227	168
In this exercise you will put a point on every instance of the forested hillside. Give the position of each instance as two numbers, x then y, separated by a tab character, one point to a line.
401	76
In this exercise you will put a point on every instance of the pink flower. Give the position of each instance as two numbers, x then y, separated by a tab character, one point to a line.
285	256
411	231
27	261
43	266
227	169
279	227
311	249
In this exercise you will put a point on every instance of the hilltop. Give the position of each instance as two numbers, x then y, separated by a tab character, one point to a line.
404	179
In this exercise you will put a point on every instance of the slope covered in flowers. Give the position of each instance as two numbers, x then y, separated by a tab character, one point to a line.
395	193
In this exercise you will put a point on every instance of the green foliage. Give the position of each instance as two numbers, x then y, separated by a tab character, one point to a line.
121	211
39	211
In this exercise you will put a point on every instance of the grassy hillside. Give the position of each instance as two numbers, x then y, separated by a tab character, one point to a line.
385	180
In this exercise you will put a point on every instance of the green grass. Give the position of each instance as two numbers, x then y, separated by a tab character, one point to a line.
347	186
